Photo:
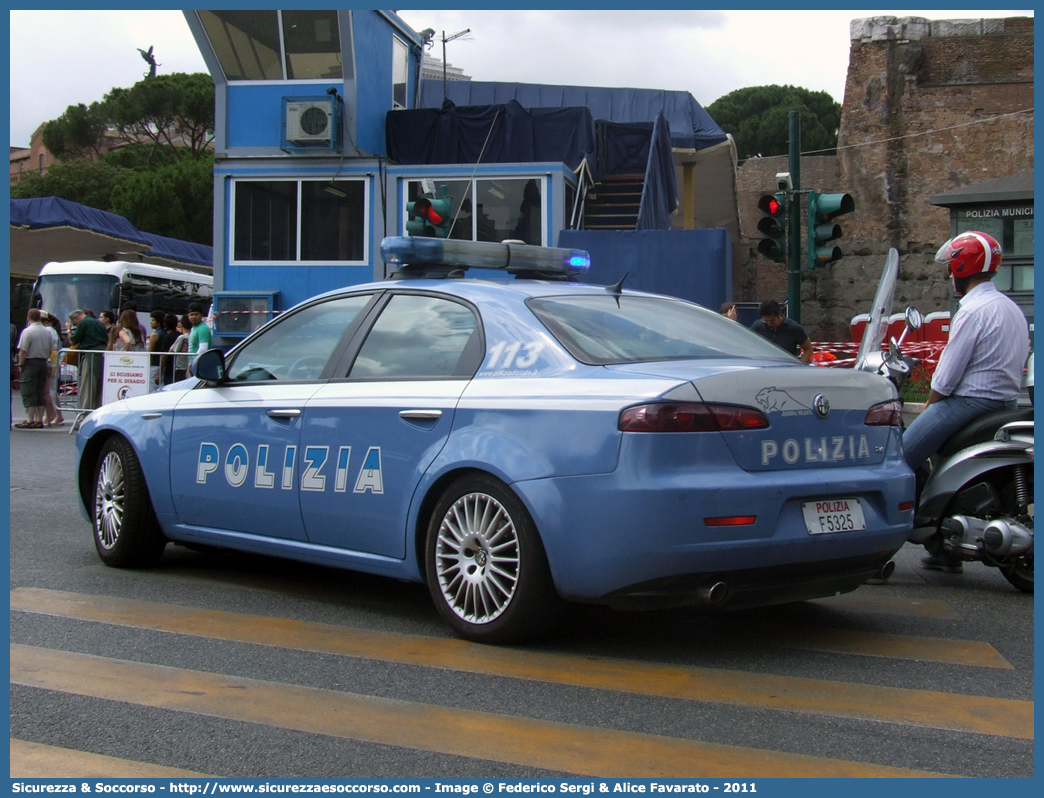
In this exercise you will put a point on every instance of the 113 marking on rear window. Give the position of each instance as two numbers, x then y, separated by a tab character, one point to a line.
511	355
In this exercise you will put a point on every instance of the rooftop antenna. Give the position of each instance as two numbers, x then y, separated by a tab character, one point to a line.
445	91
618	287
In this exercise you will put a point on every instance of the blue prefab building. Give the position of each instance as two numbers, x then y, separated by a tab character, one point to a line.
324	134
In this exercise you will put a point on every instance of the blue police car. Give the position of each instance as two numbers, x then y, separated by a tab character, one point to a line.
512	443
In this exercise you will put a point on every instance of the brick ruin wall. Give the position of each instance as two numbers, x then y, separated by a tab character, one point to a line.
929	107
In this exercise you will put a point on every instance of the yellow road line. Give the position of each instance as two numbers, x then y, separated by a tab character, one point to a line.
38	761
981	715
479	735
874	644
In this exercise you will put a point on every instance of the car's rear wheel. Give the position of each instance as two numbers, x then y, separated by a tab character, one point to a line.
126	533
486	566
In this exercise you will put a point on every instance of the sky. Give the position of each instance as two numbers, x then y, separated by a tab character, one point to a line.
707	53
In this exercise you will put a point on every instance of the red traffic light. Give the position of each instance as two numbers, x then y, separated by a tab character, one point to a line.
770	205
423	209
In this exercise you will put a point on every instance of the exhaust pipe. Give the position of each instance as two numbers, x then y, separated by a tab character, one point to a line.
1004	536
712	594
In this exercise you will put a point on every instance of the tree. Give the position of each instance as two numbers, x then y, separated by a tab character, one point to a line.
162	179
757	119
78	133
90	183
176	200
175	111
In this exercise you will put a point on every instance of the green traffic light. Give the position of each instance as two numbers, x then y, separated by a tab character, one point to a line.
822	208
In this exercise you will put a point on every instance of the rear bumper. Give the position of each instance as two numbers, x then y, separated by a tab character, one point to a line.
617	540
751	587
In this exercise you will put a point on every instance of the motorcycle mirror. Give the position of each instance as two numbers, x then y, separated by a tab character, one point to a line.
914	319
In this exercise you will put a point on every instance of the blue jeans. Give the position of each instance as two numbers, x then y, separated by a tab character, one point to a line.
940	420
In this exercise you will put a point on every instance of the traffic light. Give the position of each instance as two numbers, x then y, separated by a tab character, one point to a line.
822	210
432	217
773	227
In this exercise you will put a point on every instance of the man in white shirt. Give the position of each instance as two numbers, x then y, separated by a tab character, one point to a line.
980	369
34	352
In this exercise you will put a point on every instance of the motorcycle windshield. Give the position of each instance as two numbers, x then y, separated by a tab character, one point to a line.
877	327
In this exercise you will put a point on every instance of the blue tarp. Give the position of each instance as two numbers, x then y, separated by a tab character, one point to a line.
177	251
505	133
660	192
691	126
690	264
41	214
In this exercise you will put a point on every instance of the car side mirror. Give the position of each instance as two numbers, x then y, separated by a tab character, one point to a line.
210	366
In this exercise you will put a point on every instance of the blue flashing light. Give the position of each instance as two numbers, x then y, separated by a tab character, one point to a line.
417	253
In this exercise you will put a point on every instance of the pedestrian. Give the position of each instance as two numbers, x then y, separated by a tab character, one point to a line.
34	354
133	307
107	318
785	333
199	338
181	359
170	335
127	334
729	311
91	338
980	368
53	416
15	385
156	336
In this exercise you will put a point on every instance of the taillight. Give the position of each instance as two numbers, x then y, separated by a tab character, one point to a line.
731	520
690	417
886	414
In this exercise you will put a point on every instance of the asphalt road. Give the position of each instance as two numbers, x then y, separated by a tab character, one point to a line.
243	666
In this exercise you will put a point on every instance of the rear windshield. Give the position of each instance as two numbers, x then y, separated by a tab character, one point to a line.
603	330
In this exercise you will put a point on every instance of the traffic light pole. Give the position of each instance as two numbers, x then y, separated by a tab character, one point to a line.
794	215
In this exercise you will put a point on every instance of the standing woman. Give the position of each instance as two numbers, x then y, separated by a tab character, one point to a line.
127	334
180	348
155	339
52	413
166	343
107	318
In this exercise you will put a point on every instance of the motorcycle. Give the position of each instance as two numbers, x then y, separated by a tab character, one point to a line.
977	500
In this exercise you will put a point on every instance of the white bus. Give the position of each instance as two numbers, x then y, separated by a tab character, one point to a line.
64	287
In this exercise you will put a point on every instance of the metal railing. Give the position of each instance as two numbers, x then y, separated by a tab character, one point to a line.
104	368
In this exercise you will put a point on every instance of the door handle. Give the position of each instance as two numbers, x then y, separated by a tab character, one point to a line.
420	415
284	413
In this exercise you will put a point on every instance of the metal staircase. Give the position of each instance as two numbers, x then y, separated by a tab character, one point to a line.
612	203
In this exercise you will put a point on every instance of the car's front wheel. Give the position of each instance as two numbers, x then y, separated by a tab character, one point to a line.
486	566
126	533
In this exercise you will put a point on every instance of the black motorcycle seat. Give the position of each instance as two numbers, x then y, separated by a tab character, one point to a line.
983	429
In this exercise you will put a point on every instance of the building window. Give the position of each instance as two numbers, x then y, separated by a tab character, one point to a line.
41	163
275	45
313	221
492	209
313	46
1012	226
400	71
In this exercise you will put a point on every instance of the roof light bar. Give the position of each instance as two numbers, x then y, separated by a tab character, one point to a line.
420	254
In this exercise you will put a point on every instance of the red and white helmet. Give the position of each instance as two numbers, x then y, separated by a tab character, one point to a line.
969	254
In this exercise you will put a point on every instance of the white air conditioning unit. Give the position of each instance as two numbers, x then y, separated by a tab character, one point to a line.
311	123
